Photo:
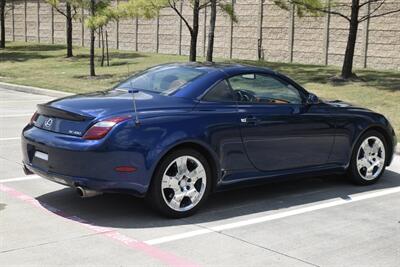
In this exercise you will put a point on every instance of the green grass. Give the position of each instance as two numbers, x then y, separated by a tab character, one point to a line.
46	66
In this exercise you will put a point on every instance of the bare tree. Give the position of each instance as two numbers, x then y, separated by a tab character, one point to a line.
194	28
92	38
149	9
213	18
69	13
348	11
197	5
226	8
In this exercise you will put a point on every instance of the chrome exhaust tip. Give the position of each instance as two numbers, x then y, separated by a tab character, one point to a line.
85	193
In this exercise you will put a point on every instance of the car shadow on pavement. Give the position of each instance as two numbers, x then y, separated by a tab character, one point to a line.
122	211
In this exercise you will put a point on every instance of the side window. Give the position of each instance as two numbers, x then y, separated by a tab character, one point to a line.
221	92
266	89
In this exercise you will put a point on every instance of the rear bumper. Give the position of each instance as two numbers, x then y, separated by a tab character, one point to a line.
90	183
74	162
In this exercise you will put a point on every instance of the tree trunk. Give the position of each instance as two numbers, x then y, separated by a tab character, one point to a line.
213	17
347	68
195	31
69	30
2	24
92	40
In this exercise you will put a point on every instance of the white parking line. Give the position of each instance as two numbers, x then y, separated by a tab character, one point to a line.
20	179
271	217
10	138
16	115
22	101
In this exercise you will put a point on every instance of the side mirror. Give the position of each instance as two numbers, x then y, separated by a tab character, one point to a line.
312	99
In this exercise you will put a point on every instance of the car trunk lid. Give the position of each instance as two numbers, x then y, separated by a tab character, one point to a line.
75	114
61	121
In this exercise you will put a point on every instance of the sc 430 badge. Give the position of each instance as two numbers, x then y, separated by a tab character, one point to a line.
75	132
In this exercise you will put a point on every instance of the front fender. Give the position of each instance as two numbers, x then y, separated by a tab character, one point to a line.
383	126
350	126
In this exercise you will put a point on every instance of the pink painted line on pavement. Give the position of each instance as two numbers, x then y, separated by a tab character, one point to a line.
154	252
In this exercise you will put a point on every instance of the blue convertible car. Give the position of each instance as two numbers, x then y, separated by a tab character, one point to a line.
177	132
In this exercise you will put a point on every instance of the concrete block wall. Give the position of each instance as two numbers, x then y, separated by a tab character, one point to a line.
308	40
384	40
168	32
283	36
45	19
244	35
9	21
275	33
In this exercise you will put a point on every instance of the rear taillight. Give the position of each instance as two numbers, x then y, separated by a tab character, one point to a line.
34	118
101	128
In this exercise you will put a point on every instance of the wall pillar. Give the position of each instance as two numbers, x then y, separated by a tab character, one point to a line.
231	32
180	30
157	32
38	21
117	32
291	32
365	37
83	27
260	53
136	33
205	32
52	25
25	24
325	48
13	20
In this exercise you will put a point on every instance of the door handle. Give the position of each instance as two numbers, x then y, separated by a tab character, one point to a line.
249	120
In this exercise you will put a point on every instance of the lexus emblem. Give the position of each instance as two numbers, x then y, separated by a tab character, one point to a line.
48	123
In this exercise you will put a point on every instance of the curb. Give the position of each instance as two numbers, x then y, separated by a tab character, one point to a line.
33	90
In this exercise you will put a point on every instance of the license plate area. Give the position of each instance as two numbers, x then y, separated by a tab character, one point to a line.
41	155
40	159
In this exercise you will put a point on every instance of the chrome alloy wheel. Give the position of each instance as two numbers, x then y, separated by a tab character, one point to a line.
371	158
183	183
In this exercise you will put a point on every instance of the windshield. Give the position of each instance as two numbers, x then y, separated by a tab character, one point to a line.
161	79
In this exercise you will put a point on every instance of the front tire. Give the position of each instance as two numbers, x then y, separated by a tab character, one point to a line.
181	183
369	159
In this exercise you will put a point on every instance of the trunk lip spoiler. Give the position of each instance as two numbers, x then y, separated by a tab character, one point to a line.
46	110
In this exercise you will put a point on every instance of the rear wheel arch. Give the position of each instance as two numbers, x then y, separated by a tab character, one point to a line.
210	156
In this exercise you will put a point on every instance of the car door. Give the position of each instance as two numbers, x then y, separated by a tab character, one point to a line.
279	130
218	117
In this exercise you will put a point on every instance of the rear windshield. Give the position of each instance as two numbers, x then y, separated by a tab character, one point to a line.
161	79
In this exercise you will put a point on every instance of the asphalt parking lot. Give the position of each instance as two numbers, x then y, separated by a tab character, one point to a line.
320	221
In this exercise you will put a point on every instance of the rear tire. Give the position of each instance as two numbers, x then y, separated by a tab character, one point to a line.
181	183
368	159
